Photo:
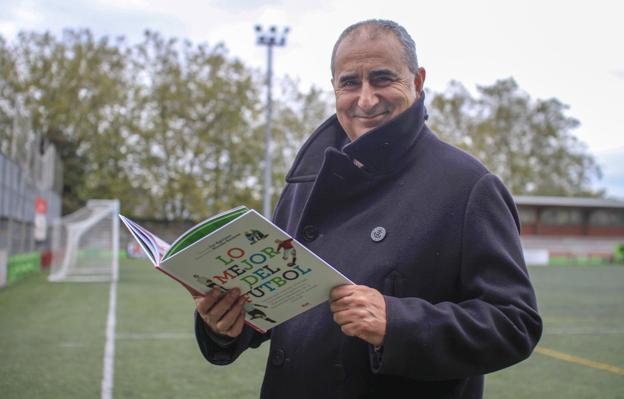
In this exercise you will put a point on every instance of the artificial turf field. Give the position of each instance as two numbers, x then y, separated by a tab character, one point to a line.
52	338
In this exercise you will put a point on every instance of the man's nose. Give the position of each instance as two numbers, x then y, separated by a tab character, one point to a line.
368	97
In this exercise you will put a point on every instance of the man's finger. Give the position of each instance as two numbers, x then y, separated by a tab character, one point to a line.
207	301
231	316
237	327
351	316
353	300
340	305
341	291
223	305
350	329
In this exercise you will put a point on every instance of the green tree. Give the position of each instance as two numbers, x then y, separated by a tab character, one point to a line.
297	114
175	130
527	142
196	146
8	73
172	129
69	87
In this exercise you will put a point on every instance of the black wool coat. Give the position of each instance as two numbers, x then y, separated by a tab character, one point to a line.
450	266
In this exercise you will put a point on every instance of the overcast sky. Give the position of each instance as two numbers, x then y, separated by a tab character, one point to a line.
571	50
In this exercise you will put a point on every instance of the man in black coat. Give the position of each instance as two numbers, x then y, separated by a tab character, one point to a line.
428	234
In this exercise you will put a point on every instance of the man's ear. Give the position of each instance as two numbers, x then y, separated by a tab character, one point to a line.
419	80
332	82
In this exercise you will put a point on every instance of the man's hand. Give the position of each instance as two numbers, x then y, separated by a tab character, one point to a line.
360	311
224	313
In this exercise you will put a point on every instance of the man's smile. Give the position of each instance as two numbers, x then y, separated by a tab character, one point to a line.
372	120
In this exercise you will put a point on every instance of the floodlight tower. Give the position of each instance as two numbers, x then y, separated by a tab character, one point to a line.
270	38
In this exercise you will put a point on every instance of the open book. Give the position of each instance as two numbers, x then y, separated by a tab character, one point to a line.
278	276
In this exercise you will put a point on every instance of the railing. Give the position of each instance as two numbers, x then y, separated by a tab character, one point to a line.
18	196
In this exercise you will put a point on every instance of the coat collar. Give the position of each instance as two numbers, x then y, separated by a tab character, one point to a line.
381	150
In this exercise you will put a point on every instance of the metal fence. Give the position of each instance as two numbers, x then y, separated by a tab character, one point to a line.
18	195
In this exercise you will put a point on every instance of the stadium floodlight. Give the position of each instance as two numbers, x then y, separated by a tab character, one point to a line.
270	38
85	244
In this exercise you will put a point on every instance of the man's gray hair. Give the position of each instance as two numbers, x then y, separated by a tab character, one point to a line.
409	47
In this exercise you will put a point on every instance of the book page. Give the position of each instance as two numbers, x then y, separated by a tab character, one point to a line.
204	228
153	246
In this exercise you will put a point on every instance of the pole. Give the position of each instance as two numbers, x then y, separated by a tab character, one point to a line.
270	38
267	136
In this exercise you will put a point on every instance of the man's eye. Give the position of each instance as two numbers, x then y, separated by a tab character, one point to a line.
381	80
349	83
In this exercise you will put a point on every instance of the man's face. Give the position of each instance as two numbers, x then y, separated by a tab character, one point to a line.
372	82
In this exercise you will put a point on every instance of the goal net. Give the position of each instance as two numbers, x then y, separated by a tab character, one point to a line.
85	244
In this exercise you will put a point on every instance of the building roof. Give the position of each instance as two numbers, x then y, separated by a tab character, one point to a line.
568	202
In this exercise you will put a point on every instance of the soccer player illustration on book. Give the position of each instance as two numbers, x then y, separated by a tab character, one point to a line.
289	249
208	282
254	236
259	314
252	310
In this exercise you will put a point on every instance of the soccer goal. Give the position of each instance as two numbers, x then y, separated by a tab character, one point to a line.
85	244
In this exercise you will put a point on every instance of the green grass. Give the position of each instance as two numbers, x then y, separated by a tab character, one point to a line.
52	340
169	364
583	313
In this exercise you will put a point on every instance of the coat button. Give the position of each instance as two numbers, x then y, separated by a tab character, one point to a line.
277	357
339	372
378	234
309	233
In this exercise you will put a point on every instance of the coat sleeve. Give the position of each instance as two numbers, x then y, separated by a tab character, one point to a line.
495	325
222	351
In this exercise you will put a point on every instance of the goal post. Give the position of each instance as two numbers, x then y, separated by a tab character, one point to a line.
85	244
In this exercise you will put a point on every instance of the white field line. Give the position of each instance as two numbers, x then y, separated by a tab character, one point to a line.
109	349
